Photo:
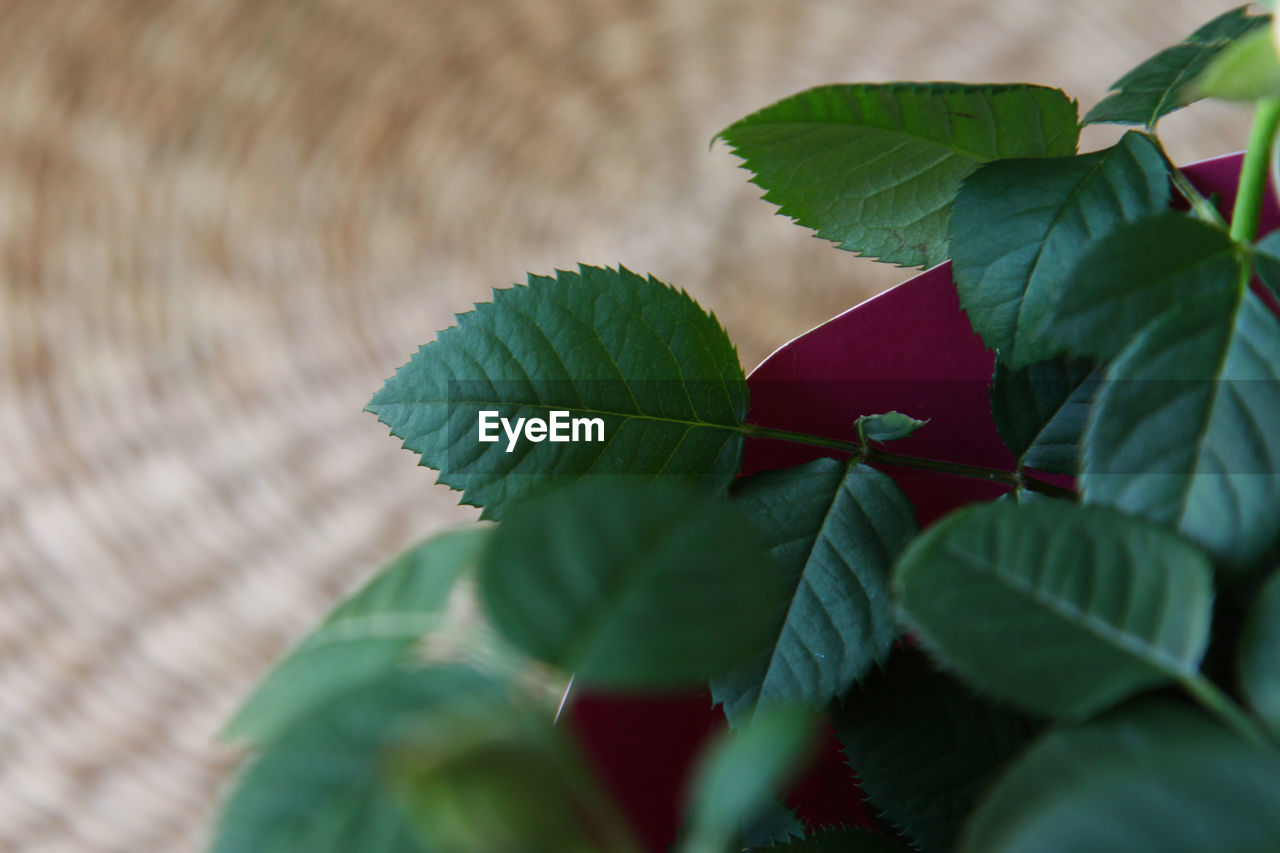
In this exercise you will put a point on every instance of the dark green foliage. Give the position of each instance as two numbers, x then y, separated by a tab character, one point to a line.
1020	225
1040	411
842	841
744	771
1259	663
834	529
1135	274
1163	83
1131	353
875	168
1184	429
643	357
628	586
1153	778
775	825
1099	605
925	747
1266	261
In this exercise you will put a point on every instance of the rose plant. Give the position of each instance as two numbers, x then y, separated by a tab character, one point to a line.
1026	581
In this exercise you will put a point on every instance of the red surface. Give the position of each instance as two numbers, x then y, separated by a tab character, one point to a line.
909	349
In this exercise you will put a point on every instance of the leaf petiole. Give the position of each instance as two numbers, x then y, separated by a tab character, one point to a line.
1213	700
874	455
1201	207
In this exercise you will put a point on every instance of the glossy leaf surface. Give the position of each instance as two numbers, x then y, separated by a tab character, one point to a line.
1153	778
834	530
656	370
627	586
1136	273
925	746
1162	84
1097	605
875	168
1183	431
1020	226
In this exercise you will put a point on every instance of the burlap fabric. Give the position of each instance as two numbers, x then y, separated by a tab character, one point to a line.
222	224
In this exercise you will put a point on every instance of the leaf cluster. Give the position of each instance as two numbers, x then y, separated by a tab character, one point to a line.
1091	662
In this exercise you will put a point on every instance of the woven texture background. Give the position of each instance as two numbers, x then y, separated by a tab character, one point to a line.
223	224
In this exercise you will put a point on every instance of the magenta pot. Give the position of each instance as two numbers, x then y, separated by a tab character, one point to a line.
910	349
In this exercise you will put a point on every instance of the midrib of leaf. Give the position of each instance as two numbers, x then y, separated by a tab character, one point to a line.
674	360
942	92
782	628
1053	224
594	333
1202	432
846	125
642	416
1099	628
1167	95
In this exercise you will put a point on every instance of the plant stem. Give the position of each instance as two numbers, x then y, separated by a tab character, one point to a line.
1225	709
1253	174
974	472
757	431
1201	207
874	455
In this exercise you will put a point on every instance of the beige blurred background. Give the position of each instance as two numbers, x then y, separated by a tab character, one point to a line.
222	224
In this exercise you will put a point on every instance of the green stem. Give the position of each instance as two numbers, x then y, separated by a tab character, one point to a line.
757	431
1225	709
974	472
874	455
1253	174
1201	207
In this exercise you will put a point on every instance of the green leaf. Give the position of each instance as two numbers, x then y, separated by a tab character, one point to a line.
1259	660
776	825
1020	225
1062	609
368	635
1183	430
925	747
1040	411
1136	273
632	586
658	371
875	168
842	841
1266	261
1161	85
739	776
1247	70
483	776
834	529
1154	778
320	786
889	426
